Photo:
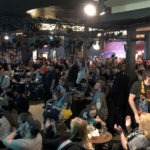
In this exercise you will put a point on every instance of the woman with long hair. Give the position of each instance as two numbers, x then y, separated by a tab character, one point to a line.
79	133
79	137
93	116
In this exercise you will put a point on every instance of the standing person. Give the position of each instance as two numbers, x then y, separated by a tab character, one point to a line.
82	73
140	95
119	95
72	74
48	81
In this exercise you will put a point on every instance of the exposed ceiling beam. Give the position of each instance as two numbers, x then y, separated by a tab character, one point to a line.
130	7
135	18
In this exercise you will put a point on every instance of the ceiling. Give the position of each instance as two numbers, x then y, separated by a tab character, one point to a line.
122	2
124	12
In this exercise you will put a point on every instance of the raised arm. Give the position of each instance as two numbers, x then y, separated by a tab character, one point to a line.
123	139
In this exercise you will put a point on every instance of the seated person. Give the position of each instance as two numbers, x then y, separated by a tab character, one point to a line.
5	81
5	127
53	132
22	118
65	112
9	108
31	140
84	90
59	100
52	113
139	139
84	87
93	116
9	72
61	86
79	137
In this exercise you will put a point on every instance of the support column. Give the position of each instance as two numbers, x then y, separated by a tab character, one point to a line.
84	46
84	49
130	54
147	46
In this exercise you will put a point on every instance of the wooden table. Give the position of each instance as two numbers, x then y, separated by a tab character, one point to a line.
102	138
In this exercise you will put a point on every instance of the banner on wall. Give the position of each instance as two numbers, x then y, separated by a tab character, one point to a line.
107	54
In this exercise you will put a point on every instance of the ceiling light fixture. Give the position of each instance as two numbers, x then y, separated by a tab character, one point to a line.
6	37
90	10
97	8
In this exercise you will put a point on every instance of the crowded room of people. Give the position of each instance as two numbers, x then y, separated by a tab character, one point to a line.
75	75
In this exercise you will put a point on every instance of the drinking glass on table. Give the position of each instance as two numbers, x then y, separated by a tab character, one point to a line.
73	89
104	130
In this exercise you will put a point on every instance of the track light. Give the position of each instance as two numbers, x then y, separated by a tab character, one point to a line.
102	13
104	9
